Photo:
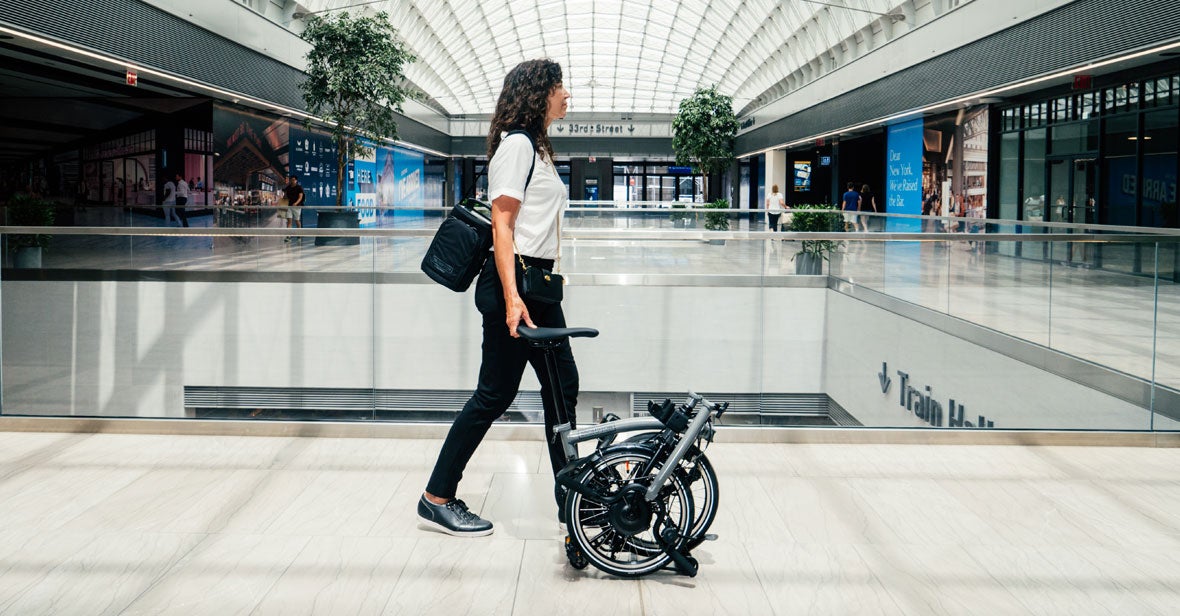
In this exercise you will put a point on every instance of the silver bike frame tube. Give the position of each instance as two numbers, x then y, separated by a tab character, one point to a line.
570	438
634	424
686	441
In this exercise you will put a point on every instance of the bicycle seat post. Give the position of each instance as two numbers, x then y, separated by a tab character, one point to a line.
548	339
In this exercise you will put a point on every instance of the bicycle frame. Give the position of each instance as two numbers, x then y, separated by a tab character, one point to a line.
570	438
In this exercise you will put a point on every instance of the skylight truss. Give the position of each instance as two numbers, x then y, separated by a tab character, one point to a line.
623	56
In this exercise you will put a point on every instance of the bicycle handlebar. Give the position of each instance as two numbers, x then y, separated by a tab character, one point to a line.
694	398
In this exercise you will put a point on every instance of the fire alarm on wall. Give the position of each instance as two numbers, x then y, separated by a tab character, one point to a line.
132	77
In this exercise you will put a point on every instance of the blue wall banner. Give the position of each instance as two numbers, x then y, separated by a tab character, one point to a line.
903	195
409	171
903	171
313	159
362	186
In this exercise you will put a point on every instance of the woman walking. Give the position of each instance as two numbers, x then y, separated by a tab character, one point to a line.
528	198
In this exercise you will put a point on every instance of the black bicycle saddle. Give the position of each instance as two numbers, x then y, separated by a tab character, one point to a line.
553	333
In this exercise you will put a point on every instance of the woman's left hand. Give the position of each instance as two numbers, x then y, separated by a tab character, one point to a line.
517	312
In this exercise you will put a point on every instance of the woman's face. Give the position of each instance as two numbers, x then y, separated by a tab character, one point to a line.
559	99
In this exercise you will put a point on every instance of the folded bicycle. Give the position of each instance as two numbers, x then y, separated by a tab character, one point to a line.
641	504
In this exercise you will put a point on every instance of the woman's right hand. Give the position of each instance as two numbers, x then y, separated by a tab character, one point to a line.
517	312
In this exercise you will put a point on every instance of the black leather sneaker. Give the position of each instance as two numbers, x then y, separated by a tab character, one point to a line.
452	518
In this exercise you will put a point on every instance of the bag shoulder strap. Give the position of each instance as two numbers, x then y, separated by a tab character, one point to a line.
528	136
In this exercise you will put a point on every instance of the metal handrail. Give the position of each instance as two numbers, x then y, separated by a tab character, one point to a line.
666	207
603	234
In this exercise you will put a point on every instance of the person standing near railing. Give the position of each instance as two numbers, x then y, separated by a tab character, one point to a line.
774	207
868	203
294	196
182	198
850	204
170	204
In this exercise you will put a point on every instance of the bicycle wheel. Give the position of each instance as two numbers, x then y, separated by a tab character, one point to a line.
619	538
701	480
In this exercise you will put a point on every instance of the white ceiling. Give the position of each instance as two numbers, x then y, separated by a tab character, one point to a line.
619	56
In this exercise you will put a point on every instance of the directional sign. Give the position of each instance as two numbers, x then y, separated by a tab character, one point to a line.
884	377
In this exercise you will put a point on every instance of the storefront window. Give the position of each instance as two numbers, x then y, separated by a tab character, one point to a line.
1119	145
1075	138
1009	175
1159	169
1034	174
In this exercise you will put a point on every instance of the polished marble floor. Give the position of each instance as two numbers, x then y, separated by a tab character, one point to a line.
142	524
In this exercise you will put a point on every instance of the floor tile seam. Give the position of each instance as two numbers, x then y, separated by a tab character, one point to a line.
388	501
43	454
1069	515
1071	581
269	589
1137	506
405	563
1018	596
893	566
757	575
155	582
288	453
245	495
101	502
519	570
1088	517
873	519
91	539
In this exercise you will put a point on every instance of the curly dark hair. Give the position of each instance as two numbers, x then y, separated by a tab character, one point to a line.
523	103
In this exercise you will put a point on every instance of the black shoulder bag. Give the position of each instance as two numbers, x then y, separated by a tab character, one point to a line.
460	246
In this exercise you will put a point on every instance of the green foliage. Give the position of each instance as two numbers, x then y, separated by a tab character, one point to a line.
26	211
717	221
817	218
355	80
703	131
681	215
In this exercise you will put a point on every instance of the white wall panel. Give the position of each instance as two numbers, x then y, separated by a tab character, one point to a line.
129	348
1008	392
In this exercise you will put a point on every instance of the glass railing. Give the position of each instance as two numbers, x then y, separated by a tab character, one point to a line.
1023	326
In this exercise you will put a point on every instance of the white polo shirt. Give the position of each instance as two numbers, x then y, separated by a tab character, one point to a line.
536	223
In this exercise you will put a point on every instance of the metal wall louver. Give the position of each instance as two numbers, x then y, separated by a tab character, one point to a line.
745	404
527	403
341	399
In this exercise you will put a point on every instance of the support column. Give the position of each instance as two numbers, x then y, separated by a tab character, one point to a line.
775	173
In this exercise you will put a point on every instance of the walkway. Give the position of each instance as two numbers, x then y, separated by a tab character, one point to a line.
132	524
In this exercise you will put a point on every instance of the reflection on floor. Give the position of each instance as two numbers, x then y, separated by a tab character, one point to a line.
138	524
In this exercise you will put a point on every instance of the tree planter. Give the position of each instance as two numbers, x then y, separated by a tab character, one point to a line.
808	264
27	257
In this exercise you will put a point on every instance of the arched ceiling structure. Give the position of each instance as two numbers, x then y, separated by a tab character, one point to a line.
632	56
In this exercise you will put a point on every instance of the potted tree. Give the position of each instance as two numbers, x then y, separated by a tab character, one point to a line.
820	218
717	221
680	218
28	211
354	82
702	135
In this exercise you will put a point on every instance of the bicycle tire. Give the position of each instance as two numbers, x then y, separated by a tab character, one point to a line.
589	523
